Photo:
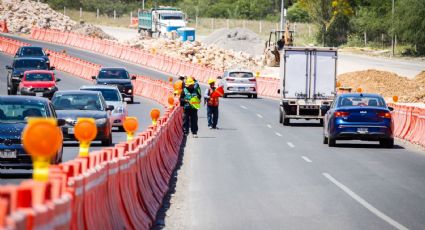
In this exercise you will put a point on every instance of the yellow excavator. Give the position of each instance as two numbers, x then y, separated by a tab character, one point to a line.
277	40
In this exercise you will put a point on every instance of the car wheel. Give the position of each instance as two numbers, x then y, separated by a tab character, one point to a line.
131	100
121	129
14	91
249	95
225	95
387	143
325	139
321	122
331	142
255	96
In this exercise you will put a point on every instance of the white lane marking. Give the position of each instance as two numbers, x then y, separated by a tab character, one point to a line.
270	126
306	159
278	134
364	203
243	107
291	145
259	115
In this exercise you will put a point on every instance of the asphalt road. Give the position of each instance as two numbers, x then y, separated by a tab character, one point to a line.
253	173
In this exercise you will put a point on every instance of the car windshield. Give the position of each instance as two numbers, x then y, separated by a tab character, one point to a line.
113	74
350	101
241	75
38	77
32	51
109	94
19	111
36	64
77	102
171	17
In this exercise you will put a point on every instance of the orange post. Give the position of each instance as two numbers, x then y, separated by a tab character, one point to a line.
155	114
395	99
85	132
130	126
170	101
42	139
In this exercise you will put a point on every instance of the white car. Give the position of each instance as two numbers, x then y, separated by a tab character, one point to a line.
112	97
239	82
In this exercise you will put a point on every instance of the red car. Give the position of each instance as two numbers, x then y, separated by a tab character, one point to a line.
38	83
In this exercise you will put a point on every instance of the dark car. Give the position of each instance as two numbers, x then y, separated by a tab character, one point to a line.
119	77
357	116
38	83
32	51
19	66
73	104
14	111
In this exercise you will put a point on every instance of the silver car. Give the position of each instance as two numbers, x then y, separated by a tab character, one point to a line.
112	97
239	82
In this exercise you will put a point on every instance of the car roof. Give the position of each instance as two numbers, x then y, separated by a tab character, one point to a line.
24	98
39	71
360	94
64	92
30	58
239	70
38	47
113	68
99	87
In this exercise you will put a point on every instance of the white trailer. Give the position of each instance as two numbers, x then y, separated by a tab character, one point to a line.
308	81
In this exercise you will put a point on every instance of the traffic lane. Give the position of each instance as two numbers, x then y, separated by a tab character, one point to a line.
95	58
379	175
140	109
244	175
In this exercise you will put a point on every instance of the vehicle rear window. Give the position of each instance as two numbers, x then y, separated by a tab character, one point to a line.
109	94
350	101
36	64
18	111
32	51
38	77
113	74
241	75
77	102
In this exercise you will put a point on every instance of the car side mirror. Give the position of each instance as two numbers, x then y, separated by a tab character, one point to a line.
93	77
52	68
58	79
110	108
390	108
133	77
325	108
61	122
8	67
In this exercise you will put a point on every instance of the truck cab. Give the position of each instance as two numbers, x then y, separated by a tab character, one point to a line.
308	82
161	20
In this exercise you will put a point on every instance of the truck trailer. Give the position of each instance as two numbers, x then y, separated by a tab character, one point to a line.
308	81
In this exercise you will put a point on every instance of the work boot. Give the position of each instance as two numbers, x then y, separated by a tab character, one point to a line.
195	135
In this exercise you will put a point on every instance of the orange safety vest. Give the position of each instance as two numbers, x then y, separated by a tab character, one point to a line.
212	101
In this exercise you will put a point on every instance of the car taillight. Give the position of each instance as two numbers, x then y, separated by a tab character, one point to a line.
384	114
230	79
341	114
253	80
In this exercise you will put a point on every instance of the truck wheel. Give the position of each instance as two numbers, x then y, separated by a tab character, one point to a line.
280	115
285	120
149	32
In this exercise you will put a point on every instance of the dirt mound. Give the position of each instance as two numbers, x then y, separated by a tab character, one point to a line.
22	15
387	84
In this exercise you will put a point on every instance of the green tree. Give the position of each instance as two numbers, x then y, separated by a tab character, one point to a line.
297	14
410	23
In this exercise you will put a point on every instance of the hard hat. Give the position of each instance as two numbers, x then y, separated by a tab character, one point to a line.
190	81
211	81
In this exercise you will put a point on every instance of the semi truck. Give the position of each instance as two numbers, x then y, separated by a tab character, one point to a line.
307	82
160	20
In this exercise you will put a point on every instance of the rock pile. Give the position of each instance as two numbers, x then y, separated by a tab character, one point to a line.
22	15
387	84
197	52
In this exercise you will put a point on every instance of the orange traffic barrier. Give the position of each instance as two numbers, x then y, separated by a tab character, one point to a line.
3	26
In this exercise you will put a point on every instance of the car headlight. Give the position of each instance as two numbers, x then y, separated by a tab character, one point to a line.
101	121
119	110
130	90
52	88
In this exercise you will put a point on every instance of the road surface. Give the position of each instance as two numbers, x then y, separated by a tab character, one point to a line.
253	173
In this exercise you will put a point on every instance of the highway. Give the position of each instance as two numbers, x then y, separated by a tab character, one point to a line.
253	173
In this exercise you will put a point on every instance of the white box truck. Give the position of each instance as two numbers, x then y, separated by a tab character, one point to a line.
308	81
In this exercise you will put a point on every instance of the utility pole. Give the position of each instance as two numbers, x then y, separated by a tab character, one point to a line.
282	16
393	31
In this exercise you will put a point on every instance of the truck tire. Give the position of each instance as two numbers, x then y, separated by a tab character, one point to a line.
280	115
285	120
149	33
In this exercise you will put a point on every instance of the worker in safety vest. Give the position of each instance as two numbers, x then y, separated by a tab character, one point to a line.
190	98
212	105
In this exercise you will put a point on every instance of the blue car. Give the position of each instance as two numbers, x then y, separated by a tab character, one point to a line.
14	111
358	116
32	51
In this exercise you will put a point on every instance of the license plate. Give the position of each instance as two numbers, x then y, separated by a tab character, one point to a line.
8	153
362	130
70	130
241	88
39	94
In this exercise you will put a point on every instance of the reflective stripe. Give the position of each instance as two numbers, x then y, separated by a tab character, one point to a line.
95	182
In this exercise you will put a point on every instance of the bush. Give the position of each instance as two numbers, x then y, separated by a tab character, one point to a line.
297	14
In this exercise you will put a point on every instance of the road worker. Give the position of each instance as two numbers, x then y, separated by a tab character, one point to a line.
190	98
212	105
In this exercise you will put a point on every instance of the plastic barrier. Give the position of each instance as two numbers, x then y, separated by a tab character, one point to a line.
3	26
119	187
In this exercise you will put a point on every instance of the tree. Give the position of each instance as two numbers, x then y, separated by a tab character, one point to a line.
297	14
410	23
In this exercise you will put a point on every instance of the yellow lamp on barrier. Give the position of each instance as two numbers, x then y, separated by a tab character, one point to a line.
170	79
395	98
170	101
257	74
359	90
85	132
155	113
42	139
130	126
178	87
153	50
